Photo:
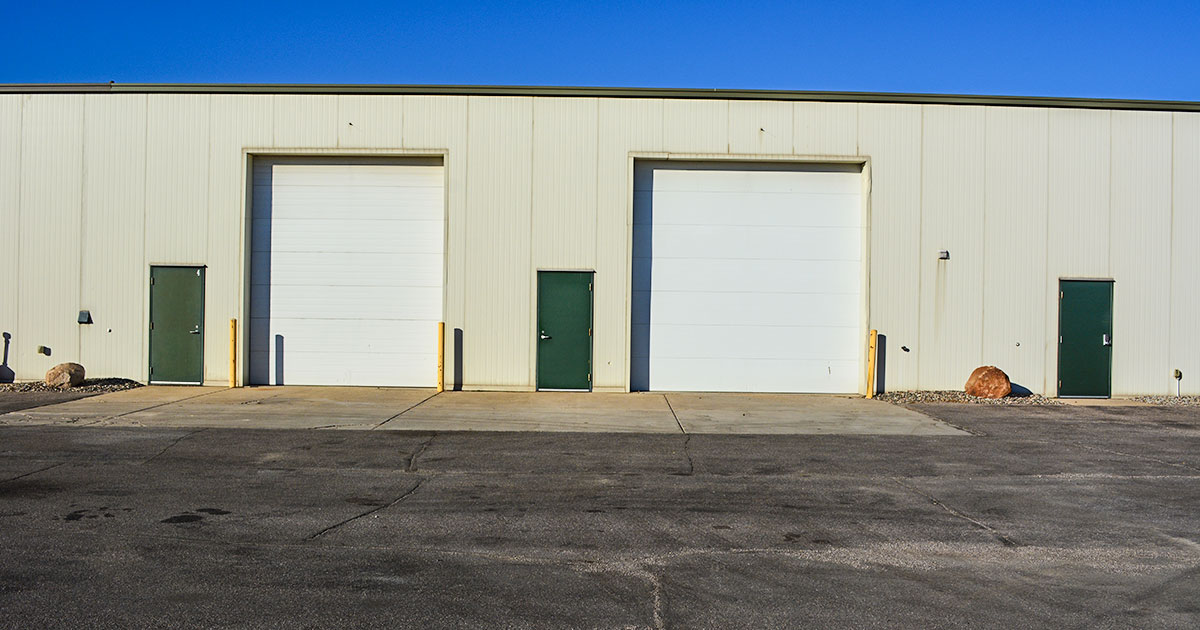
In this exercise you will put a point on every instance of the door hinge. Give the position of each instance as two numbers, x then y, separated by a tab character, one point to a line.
151	280
589	286
151	369
151	325
589	377
589	332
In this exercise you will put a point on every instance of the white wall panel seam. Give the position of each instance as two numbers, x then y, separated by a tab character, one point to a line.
145	279
1047	348
20	139
921	244
1171	249
82	217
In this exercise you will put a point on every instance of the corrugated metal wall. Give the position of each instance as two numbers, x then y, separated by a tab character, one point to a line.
95	188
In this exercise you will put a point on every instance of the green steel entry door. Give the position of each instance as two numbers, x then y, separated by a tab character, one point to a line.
564	356
177	325
1085	338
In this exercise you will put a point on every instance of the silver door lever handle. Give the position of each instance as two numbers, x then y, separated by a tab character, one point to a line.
1106	340
195	331
544	335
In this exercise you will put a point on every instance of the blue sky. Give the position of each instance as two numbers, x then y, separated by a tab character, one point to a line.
1147	50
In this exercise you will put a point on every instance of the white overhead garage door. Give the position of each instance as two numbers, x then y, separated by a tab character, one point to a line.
346	271
747	278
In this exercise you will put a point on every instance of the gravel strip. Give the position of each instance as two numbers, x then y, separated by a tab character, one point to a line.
90	385
1170	401
910	398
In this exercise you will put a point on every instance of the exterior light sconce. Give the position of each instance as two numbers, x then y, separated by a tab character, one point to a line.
85	317
944	254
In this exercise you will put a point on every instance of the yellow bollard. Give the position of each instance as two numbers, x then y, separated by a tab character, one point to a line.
441	357
871	346
233	353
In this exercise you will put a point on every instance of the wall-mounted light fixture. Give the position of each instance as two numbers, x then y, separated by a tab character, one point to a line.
85	317
944	254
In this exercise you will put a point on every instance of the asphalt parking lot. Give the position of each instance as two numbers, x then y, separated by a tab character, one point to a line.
1029	517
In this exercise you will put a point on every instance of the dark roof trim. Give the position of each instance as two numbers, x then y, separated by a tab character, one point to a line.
490	90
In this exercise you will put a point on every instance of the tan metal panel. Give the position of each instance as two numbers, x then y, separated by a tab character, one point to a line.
498	335
370	121
440	123
307	121
1141	255
10	219
1014	247
51	181
952	219
760	127
890	136
826	129
177	182
564	197
625	126
695	126
1185	255
113	272
237	122
1077	220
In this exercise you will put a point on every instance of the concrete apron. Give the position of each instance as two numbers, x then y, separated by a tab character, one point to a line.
413	409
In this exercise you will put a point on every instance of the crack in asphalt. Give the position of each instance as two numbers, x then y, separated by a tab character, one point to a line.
412	459
1006	540
169	402
420	481
173	443
32	472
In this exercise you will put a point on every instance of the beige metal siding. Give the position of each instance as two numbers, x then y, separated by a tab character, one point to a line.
1140	250
10	223
696	126
370	121
112	270
1185	254
890	136
761	127
498	331
1014	246
952	184
826	129
51	178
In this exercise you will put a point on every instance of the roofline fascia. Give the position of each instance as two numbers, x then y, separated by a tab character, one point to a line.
604	92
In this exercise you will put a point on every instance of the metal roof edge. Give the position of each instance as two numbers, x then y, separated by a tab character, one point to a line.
610	92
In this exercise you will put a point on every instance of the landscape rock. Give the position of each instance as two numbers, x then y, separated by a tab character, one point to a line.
65	375
988	381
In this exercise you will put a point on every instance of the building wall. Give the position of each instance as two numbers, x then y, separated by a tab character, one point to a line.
96	188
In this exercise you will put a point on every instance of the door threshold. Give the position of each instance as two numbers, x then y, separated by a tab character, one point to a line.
174	383
548	389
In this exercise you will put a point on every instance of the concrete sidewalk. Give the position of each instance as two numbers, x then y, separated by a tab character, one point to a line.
365	408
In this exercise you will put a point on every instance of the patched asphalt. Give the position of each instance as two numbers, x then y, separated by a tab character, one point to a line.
1039	517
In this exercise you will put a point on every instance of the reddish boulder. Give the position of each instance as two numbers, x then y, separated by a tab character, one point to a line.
65	375
988	381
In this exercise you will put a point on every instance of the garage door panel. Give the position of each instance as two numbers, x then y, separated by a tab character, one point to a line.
358	369
355	268
346	272
765	242
762	342
346	302
374	335
749	276
748	209
749	375
816	178
748	309
281	173
347	235
301	203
